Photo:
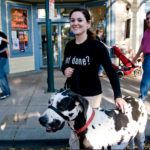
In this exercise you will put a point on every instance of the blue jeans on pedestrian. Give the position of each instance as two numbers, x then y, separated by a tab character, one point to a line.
100	69
3	77
145	83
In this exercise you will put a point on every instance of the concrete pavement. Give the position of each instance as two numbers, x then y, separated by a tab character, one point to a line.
19	126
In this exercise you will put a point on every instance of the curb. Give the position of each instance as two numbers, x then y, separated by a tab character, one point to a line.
56	143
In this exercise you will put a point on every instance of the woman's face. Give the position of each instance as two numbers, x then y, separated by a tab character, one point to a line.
78	23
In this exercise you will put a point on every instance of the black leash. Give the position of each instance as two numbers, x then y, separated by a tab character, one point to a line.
75	77
58	112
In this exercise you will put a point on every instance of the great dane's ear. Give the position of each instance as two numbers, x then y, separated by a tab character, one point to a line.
83	102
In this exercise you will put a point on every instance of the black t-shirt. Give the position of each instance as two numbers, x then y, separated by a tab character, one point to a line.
3	45
85	58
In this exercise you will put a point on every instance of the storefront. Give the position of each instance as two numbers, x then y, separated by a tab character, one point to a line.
24	23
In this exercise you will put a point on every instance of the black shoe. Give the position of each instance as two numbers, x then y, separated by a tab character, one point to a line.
139	97
3	96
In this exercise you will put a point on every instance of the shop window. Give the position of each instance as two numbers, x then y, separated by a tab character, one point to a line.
98	16
20	32
19	40
127	33
64	12
42	13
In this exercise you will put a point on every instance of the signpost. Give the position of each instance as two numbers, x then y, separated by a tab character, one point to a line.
49	6
51	9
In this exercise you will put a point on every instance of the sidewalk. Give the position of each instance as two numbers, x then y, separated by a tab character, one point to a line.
19	126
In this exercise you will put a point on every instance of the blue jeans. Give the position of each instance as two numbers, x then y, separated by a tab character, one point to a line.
3	77
100	69
145	83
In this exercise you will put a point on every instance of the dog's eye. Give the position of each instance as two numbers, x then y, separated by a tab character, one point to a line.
60	107
71	105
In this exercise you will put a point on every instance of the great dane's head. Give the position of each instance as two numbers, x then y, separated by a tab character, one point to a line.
63	105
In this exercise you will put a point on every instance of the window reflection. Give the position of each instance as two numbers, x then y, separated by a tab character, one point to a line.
98	15
42	13
64	12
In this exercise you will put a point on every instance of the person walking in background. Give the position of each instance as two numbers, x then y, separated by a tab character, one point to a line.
4	54
100	36
145	48
82	58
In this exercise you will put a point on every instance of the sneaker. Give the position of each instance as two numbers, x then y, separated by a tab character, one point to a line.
139	97
100	74
2	96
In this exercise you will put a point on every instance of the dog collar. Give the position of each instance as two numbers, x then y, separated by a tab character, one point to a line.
87	124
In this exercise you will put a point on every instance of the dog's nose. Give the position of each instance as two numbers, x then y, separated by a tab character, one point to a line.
43	120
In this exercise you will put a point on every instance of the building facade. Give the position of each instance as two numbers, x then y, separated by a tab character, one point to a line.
25	25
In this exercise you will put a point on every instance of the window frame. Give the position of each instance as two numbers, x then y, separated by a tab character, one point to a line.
29	51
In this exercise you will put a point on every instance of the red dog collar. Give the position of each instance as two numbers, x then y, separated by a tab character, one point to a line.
87	124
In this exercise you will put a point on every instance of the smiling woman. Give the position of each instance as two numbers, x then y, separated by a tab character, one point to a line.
82	58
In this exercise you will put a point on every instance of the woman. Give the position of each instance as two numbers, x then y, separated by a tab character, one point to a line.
82	58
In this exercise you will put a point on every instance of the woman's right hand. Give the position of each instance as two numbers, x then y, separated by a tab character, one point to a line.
68	72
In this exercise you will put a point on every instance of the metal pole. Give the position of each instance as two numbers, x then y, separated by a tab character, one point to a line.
50	71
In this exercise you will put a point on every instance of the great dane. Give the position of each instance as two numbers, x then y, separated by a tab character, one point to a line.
96	129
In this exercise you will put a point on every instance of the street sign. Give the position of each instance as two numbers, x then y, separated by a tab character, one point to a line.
51	9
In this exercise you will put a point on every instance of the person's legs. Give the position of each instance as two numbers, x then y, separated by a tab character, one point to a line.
100	72
7	89
1	74
145	82
4	86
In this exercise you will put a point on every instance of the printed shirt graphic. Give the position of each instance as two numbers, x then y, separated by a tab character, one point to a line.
78	61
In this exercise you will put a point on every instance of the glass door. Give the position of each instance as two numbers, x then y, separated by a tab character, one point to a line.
61	34
66	36
43	46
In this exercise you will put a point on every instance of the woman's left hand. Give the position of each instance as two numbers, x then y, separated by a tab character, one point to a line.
121	104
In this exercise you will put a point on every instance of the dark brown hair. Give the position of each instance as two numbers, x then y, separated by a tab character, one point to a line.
84	12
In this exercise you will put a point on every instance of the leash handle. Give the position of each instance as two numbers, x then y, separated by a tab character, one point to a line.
69	81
